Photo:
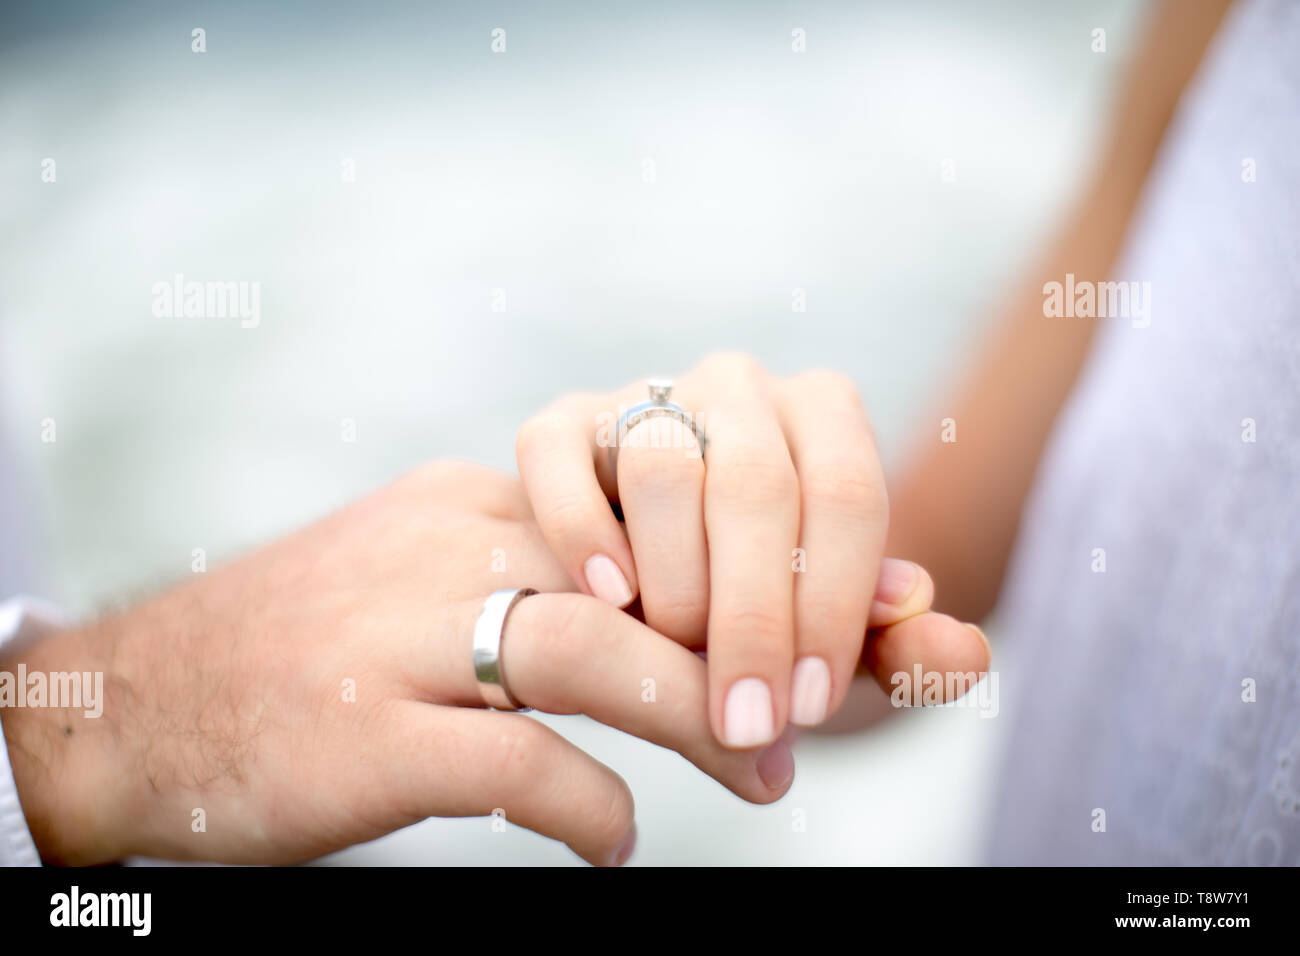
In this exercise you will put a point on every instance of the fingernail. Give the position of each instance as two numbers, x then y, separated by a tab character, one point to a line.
606	580
810	692
776	765
987	646
747	715
626	849
896	582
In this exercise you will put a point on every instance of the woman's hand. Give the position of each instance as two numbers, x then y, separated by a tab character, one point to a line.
770	544
321	692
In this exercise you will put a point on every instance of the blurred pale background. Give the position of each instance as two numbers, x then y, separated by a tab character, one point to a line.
525	172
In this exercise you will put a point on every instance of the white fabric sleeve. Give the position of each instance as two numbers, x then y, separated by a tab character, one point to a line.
21	620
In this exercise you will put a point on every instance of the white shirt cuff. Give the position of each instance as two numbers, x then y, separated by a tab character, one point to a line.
22	619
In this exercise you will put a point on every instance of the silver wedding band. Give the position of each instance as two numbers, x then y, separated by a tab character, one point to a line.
658	406
488	631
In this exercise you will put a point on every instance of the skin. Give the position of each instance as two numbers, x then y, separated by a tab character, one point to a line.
227	694
710	550
795	461
957	506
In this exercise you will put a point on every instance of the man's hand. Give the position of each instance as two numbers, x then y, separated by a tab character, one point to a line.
321	692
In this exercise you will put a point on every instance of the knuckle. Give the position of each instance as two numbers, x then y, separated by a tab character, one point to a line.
540	433
734	365
847	490
838	394
443	472
562	649
762	627
562	632
832	616
572	406
517	753
680	615
566	516
754	479
832	388
830	382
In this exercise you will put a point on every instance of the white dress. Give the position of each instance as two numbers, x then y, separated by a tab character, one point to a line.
1160	698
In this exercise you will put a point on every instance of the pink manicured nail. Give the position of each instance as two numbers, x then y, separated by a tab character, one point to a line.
896	582
606	580
776	765
747	714
810	692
